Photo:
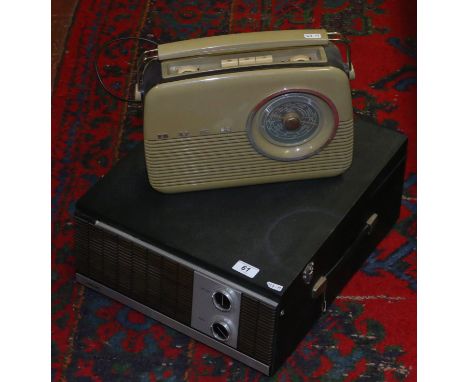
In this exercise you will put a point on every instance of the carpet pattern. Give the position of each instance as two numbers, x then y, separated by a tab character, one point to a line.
368	334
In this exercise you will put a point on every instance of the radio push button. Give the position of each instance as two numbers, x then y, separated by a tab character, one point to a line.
230	63
244	61
264	59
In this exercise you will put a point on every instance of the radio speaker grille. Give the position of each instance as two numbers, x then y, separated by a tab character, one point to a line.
256	329
231	157
135	271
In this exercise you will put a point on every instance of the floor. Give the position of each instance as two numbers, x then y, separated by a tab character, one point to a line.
62	16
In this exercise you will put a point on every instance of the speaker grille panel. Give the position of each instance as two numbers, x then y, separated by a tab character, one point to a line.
135	271
205	159
163	285
256	329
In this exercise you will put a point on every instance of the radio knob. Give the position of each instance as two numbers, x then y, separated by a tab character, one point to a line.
291	121
187	69
221	330
222	300
299	58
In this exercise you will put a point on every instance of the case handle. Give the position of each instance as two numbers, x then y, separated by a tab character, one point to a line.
320	286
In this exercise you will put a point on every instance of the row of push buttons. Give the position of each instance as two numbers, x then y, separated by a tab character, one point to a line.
244	61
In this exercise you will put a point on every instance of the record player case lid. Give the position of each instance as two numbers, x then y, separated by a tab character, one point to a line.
276	228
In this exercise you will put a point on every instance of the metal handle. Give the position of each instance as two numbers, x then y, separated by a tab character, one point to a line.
338	37
143	61
153	54
242	42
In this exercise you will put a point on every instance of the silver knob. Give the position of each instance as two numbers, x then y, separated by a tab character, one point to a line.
221	330
222	300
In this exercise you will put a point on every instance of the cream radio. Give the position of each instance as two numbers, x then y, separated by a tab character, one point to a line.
245	109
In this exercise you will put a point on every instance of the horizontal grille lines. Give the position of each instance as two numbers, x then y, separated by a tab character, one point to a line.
231	157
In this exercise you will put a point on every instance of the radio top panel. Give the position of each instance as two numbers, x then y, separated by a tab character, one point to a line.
191	65
242	42
241	52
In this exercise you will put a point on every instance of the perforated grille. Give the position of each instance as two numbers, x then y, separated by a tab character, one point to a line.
256	329
208	159
135	271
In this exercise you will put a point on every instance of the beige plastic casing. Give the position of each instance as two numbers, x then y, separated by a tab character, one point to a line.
196	128
196	138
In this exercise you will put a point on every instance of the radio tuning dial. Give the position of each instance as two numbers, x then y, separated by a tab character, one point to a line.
187	69
300	58
291	121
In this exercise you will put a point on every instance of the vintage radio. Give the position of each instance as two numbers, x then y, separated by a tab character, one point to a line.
246	109
245	270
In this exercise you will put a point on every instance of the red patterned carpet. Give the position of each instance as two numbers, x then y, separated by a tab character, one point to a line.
368	334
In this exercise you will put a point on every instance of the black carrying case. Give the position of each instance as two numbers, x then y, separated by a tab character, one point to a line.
307	238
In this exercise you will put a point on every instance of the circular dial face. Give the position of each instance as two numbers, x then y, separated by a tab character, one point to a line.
290	119
292	125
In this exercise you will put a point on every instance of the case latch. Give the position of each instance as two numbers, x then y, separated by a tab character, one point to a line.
320	286
319	289
371	223
307	273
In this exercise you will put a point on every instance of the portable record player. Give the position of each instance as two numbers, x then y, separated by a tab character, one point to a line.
245	270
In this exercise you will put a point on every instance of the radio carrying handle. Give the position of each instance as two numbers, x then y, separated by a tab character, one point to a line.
337	37
226	43
242	42
143	61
